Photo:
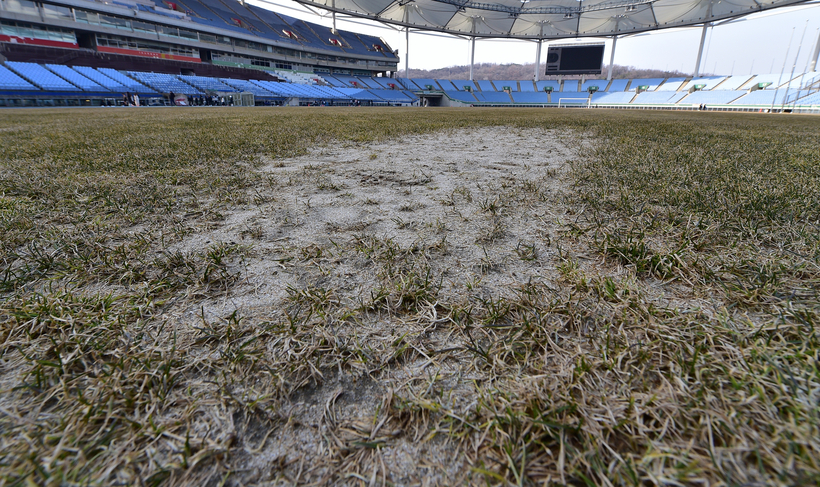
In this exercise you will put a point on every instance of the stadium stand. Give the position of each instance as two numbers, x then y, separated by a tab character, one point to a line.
776	79
130	83
393	96
367	82
526	85
345	81
733	83
75	78
600	83
531	97
762	97
461	83
658	97
803	81
305	88
618	85
570	97
164	83
672	84
423	83
40	76
100	78
499	85
717	97
540	85
493	97
617	98
204	84
243	85
462	96
572	85
650	83
485	85
408	83
10	81
708	83
382	82
810	100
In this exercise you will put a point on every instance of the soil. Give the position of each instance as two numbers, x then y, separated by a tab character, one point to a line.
475	210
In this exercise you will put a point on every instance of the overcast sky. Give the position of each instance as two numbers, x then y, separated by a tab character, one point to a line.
754	44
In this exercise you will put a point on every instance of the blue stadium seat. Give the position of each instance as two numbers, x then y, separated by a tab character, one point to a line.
205	83
493	97
243	85
671	84
600	83
462	96
380	82
100	78
763	98
485	85
408	83
776	79
10	81
658	97
651	83
276	23
129	83
500	84
531	97
392	96
40	76
609	98
570	96
75	78
526	85
540	85
734	82
810	100
709	82
461	83
164	83
423	82
717	97
618	85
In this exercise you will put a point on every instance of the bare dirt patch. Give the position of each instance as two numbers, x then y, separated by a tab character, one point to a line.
373	238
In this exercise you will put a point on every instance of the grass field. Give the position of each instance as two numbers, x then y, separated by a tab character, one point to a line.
350	296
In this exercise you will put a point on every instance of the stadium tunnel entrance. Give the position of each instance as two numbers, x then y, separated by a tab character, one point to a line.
431	100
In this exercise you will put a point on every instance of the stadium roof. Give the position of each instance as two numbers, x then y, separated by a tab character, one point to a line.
546	19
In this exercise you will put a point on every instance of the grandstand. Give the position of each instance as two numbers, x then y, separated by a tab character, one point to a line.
190	37
50	84
93	52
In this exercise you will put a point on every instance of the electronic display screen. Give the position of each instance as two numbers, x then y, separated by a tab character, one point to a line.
575	59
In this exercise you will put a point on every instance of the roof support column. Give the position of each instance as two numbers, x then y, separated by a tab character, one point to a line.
333	3
611	58
700	49
794	67
407	52
472	56
815	55
780	78
538	60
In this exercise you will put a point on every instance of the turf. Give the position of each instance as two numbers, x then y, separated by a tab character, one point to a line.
674	342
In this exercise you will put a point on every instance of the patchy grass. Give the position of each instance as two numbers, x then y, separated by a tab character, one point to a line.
660	330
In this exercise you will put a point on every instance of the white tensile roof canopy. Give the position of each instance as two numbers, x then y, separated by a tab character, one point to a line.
546	19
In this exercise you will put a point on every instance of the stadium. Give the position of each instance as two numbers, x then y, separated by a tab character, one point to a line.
326	273
92	53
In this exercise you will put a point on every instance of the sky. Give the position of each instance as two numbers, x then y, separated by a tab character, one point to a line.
761	43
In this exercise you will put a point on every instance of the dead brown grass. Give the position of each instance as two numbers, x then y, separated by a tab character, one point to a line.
408	297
